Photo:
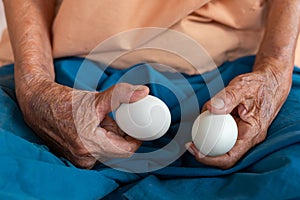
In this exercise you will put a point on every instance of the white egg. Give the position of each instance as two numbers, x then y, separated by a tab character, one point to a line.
214	135
146	119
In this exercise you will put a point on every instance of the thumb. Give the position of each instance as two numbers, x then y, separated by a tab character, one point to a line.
111	99
226	100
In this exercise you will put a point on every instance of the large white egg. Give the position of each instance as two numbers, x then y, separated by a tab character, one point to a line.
146	119
214	135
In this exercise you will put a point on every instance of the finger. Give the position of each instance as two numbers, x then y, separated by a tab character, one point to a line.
122	146
114	145
225	161
110	125
204	107
87	161
188	147
110	99
226	100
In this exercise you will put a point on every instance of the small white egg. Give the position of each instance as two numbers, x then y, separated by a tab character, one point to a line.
146	119
214	135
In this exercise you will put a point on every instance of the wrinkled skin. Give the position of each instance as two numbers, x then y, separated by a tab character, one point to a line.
75	123
253	99
81	130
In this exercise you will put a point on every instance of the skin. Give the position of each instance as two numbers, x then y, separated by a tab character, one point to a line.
75	123
254	99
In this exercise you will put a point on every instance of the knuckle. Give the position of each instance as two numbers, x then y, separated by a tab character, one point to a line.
84	162
81	151
128	154
227	165
130	150
260	137
82	157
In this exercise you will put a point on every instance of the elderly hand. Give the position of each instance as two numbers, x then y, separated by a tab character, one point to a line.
254	99
76	123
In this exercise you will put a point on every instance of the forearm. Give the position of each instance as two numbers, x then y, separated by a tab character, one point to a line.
29	24
281	33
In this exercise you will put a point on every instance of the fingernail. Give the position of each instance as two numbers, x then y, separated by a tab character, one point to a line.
187	145
217	103
140	88
139	91
191	151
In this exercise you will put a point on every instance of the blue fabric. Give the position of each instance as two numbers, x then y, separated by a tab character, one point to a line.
30	171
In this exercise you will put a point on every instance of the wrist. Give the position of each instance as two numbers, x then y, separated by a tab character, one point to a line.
37	95
279	67
30	77
276	74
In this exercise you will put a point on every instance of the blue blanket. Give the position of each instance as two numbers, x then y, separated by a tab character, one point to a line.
29	170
